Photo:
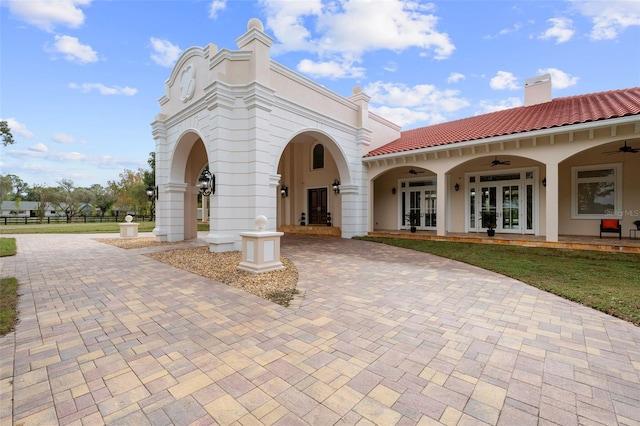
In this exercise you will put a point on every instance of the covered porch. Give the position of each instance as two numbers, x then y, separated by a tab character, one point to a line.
571	242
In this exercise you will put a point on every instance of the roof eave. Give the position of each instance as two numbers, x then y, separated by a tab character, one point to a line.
504	138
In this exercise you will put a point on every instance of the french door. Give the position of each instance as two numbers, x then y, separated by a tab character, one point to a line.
500	204
422	205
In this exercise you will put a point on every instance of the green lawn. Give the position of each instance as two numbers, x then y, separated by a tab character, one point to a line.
8	302
8	290
608	282
71	228
7	247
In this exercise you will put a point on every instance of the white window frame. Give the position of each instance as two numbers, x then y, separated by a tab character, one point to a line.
617	192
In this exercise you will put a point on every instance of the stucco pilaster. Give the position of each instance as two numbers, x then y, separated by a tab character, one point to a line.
441	207
552	201
170	208
353	199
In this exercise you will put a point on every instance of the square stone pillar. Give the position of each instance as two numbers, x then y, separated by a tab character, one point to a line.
128	229
261	249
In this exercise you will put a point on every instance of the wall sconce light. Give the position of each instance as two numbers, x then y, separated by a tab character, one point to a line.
152	192
456	187
284	191
393	190
207	183
336	186
544	181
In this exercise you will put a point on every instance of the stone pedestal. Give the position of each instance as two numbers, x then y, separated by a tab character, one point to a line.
128	229
261	249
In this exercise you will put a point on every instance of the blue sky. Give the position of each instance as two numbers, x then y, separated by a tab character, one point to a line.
80	79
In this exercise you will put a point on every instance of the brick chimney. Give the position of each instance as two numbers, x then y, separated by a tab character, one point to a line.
537	90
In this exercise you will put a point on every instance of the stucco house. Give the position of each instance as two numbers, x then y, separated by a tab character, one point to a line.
283	146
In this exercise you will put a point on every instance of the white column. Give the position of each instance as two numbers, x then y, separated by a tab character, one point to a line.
551	213
205	210
441	208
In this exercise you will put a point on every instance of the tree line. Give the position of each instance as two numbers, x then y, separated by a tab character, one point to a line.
127	194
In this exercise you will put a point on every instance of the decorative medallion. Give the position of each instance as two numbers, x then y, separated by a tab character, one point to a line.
187	83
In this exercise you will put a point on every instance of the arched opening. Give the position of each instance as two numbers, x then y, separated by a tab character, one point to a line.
307	199
596	183
189	159
500	192
404	197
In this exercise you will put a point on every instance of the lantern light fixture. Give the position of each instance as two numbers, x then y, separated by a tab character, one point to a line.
456	187
152	192
336	186
284	191
207	183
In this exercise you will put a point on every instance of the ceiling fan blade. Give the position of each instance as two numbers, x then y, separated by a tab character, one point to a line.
624	149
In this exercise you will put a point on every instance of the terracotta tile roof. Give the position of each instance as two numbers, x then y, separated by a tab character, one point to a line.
557	113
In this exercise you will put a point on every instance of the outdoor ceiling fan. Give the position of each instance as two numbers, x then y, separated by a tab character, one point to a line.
414	171
497	162
623	149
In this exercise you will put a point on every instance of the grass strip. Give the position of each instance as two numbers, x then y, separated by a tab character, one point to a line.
8	303
8	247
71	228
608	282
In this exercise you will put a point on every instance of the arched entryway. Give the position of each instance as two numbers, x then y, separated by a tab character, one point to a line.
313	176
178	219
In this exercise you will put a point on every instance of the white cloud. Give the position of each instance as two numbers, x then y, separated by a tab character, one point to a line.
215	7
405	105
455	77
330	69
73	50
165	52
34	152
47	14
559	79
17	128
104	90
515	28
508	103
286	20
347	29
63	138
391	67
561	30
609	18
39	147
405	116
504	80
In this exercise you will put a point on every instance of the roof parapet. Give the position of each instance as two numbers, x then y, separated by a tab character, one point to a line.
537	90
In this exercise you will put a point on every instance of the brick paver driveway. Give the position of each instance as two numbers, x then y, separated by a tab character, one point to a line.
380	335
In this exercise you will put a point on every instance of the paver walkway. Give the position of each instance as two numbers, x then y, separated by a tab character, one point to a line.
381	335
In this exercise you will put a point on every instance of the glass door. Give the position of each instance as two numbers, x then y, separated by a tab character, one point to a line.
430	208
489	206
510	214
500	206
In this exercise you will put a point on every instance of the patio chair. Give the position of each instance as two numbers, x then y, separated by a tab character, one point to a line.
612	226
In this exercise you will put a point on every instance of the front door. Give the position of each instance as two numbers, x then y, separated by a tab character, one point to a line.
317	206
